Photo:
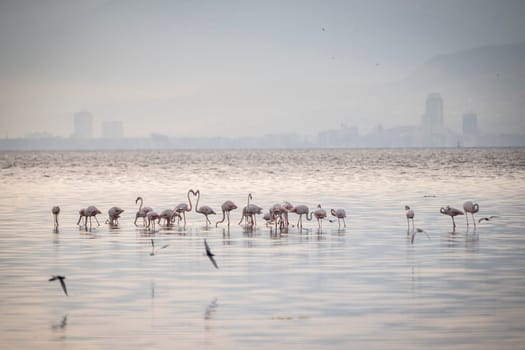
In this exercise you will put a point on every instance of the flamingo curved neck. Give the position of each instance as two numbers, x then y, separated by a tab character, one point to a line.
189	199
198	193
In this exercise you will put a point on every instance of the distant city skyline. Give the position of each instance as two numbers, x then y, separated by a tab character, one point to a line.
247	69
432	131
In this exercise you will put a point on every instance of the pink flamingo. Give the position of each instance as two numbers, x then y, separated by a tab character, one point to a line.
249	212
92	211
142	212
226	208
277	212
56	211
114	215
204	210
287	206
168	216
82	214
340	214
319	214
151	217
410	216
471	208
301	210
182	208
451	212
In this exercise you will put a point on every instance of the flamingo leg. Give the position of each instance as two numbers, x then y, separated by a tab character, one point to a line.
453	224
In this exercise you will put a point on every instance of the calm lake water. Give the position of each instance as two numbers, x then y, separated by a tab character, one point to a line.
363	287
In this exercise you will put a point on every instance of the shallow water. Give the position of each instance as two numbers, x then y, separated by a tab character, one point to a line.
363	286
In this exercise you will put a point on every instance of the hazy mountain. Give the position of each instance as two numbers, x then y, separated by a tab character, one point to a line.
489	81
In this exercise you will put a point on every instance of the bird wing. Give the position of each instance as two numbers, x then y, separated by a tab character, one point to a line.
213	261
210	254
208	251
52	278
164	246
63	284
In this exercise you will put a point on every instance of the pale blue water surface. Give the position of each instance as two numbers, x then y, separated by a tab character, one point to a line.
363	287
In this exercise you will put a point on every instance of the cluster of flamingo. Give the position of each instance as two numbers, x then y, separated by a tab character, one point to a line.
468	207
277	215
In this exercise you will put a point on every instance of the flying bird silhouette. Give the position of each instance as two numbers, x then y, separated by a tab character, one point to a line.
487	218
210	254
61	279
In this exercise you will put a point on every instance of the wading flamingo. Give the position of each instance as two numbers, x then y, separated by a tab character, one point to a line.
451	212
249	212
152	216
114	215
339	214
471	208
82	214
56	211
92	211
182	208
226	208
410	216
319	214
301	210
142	212
204	209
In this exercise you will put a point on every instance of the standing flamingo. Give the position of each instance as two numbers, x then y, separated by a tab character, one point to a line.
339	214
92	211
151	217
82	214
114	215
204	210
142	212
410	216
183	207
56	211
471	208
168	215
287	206
301	210
249	212
451	212
226	207
319	214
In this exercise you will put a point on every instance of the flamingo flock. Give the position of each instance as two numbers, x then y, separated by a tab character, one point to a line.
278	214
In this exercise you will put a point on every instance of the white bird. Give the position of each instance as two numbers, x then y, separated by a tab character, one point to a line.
226	208
410	216
142	212
114	215
204	210
301	210
487	218
92	211
340	214
151	216
472	208
182	208
56	211
319	214
451	212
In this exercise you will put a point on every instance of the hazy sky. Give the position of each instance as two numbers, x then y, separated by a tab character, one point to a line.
231	68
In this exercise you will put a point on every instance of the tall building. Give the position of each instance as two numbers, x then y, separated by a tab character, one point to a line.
432	122
83	125
112	129
470	124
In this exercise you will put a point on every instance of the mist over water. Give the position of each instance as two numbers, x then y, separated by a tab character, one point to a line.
363	286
